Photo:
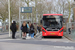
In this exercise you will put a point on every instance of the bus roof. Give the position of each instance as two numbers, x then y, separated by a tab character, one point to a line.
52	14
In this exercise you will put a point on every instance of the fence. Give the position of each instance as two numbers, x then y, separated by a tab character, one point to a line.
70	27
70	31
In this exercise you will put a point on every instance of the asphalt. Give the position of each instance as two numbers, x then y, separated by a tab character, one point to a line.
21	44
40	42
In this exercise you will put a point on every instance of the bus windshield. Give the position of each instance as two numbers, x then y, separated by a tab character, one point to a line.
52	21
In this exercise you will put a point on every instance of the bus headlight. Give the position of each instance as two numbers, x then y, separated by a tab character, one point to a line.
61	30
43	30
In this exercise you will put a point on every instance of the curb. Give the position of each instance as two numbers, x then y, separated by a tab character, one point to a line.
68	38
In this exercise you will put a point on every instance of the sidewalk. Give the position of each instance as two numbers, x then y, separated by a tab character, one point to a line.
70	36
5	35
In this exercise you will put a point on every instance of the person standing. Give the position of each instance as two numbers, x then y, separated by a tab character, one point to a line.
24	30
13	29
28	25
28	28
69	30
32	30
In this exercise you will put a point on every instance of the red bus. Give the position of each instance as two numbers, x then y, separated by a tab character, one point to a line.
52	25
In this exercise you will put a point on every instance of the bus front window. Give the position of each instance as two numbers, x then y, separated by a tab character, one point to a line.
52	22
48	23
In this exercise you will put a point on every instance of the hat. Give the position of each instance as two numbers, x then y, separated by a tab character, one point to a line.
14	22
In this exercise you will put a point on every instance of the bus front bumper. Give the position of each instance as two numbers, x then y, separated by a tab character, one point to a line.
52	33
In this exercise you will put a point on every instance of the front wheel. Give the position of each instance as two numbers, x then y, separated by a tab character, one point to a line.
60	36
43	37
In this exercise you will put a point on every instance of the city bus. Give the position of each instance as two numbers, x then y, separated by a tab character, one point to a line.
52	25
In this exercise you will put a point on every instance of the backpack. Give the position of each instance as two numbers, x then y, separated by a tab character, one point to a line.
27	26
32	29
21	28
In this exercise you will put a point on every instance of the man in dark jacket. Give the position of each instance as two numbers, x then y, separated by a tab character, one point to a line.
13	29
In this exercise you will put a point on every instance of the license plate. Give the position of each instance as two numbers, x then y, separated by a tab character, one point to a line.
52	33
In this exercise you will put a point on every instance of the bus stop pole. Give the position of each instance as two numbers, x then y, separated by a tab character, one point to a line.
19	21
9	15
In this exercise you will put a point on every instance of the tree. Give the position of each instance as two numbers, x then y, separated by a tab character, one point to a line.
69	8
14	10
4	10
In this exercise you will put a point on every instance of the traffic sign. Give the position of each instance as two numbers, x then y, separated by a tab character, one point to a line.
26	9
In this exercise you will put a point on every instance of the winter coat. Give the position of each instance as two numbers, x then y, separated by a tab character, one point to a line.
13	27
24	28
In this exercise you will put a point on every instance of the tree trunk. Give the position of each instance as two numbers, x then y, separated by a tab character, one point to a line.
69	11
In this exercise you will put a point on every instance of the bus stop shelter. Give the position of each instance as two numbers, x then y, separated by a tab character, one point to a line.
26	20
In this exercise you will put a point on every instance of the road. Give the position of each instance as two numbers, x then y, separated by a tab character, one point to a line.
48	43
37	44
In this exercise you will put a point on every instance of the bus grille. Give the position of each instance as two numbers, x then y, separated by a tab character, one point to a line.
53	30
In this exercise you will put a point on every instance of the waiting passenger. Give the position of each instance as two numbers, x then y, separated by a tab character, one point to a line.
24	30
32	30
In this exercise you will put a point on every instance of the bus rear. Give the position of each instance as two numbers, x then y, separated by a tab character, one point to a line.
52	25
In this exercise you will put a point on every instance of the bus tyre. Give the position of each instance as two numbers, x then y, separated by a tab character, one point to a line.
42	36
60	36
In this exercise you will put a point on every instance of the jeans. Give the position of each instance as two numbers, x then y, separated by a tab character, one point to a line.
29	33
32	35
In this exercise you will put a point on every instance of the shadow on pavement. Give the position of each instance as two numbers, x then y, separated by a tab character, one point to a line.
52	37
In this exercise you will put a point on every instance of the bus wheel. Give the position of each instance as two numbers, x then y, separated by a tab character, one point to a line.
43	37
60	36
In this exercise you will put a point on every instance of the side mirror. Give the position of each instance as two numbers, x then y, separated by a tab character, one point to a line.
61	18
41	21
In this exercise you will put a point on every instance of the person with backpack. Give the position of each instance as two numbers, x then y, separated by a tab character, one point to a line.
32	30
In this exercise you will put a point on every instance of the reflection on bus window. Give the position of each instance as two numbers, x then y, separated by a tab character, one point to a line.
53	21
